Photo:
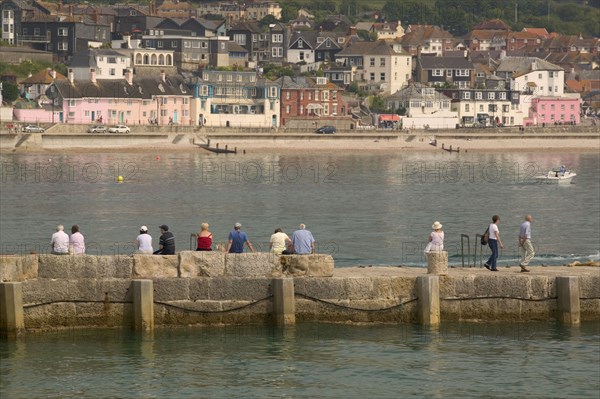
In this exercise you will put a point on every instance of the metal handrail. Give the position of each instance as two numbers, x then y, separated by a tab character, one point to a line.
478	240
193	241
462	249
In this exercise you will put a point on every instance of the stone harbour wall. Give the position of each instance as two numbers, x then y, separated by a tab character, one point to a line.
189	288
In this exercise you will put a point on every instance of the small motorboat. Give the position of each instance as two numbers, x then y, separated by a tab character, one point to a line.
560	175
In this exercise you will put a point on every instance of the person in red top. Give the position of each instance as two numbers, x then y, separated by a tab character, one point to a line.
204	238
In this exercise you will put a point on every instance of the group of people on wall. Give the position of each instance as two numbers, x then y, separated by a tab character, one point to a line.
302	241
491	237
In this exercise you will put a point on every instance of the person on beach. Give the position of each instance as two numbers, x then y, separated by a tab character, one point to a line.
279	242
166	242
144	241
204	238
436	238
76	241
303	242
60	241
493	241
525	245
237	239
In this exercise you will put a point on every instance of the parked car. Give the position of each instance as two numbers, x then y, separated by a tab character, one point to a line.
326	130
33	129
119	129
97	129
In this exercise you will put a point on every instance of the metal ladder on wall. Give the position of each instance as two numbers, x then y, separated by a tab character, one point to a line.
476	244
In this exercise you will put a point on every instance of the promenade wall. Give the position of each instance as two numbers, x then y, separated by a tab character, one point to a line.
217	288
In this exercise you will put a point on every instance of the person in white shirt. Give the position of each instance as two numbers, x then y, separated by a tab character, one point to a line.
493	241
60	241
144	241
279	242
525	243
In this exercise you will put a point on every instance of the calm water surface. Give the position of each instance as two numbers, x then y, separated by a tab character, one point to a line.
308	361
364	208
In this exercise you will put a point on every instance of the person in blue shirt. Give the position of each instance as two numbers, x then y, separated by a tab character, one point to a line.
237	239
303	241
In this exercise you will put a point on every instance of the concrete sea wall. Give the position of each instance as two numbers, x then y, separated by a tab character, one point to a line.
52	292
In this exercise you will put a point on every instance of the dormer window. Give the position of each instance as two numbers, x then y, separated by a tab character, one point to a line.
300	43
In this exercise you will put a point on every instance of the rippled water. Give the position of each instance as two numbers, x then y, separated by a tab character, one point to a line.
364	208
539	360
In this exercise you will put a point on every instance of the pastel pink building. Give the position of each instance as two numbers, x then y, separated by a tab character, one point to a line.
162	100
554	110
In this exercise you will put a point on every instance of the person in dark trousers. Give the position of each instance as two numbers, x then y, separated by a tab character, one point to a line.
166	242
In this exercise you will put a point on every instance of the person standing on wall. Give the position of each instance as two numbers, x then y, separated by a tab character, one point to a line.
525	245
493	241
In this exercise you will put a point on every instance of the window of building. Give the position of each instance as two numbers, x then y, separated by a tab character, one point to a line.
449	73
287	109
382	76
72	103
111	72
539	75
478	95
63	46
505	108
480	107
372	76
300	43
466	95
372	61
437	72
467	107
502	95
382	61
491	95
63	31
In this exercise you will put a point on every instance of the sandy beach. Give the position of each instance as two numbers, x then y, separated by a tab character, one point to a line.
58	142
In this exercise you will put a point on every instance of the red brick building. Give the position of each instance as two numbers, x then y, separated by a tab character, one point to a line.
310	98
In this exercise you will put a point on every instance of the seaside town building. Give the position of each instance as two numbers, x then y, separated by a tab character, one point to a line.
380	65
309	99
161	100
235	99
494	76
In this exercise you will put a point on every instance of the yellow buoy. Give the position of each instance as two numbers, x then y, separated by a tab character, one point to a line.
120	179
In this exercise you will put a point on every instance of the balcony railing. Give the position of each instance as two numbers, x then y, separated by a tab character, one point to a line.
35	38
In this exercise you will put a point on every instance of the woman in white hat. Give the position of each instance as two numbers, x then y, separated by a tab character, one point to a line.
144	241
436	238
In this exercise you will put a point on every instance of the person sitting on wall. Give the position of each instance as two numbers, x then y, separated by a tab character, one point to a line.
60	241
204	242
166	242
237	239
303	242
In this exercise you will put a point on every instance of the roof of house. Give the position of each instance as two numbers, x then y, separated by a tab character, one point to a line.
417	91
379	47
523	65
492	24
429	62
43	77
538	31
419	34
142	88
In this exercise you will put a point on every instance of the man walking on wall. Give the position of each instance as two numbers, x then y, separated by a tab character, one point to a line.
525	245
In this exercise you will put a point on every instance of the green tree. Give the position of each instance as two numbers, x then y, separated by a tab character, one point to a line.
267	20
10	92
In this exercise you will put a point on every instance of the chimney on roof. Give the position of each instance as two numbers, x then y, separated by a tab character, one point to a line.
71	75
352	31
53	73
95	16
70	10
59	6
129	76
93	75
163	76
